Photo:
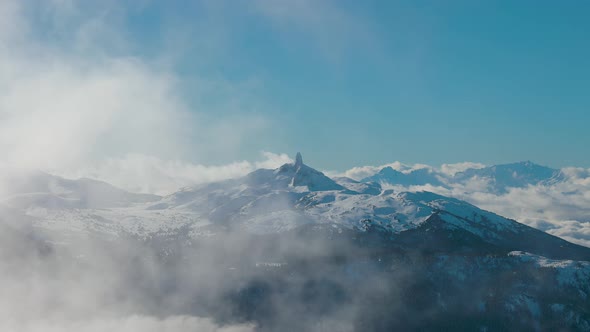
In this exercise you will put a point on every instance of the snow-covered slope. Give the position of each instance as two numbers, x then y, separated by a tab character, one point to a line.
294	195
268	202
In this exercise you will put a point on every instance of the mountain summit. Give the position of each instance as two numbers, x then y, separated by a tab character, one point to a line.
300	175
298	159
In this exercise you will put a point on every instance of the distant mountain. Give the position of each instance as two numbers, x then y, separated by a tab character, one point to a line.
418	177
499	178
516	175
38	189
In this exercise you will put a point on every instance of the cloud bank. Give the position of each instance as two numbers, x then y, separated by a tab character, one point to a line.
75	93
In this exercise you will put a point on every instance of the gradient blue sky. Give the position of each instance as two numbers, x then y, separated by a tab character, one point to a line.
368	82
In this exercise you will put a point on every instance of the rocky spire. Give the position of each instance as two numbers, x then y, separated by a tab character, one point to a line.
298	160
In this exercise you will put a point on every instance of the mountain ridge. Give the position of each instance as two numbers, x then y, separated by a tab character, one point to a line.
37	188
264	199
293	238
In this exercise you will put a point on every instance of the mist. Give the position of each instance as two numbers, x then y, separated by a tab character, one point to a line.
130	199
75	100
231	282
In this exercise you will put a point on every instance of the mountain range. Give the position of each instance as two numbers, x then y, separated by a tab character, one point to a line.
498	178
439	258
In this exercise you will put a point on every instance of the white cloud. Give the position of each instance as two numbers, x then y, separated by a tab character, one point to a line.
75	93
452	169
447	170
66	113
361	172
571	230
273	160
150	174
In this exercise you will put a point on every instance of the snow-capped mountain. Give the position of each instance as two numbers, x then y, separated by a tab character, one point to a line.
498	178
272	201
418	177
26	189
290	233
516	175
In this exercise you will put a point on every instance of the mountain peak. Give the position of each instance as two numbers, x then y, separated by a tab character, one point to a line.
388	170
298	174
298	159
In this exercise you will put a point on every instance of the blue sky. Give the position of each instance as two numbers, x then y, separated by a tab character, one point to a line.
367	82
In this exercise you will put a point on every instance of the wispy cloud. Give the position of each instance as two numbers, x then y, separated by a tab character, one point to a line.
330	26
150	174
74	92
360	172
452	169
